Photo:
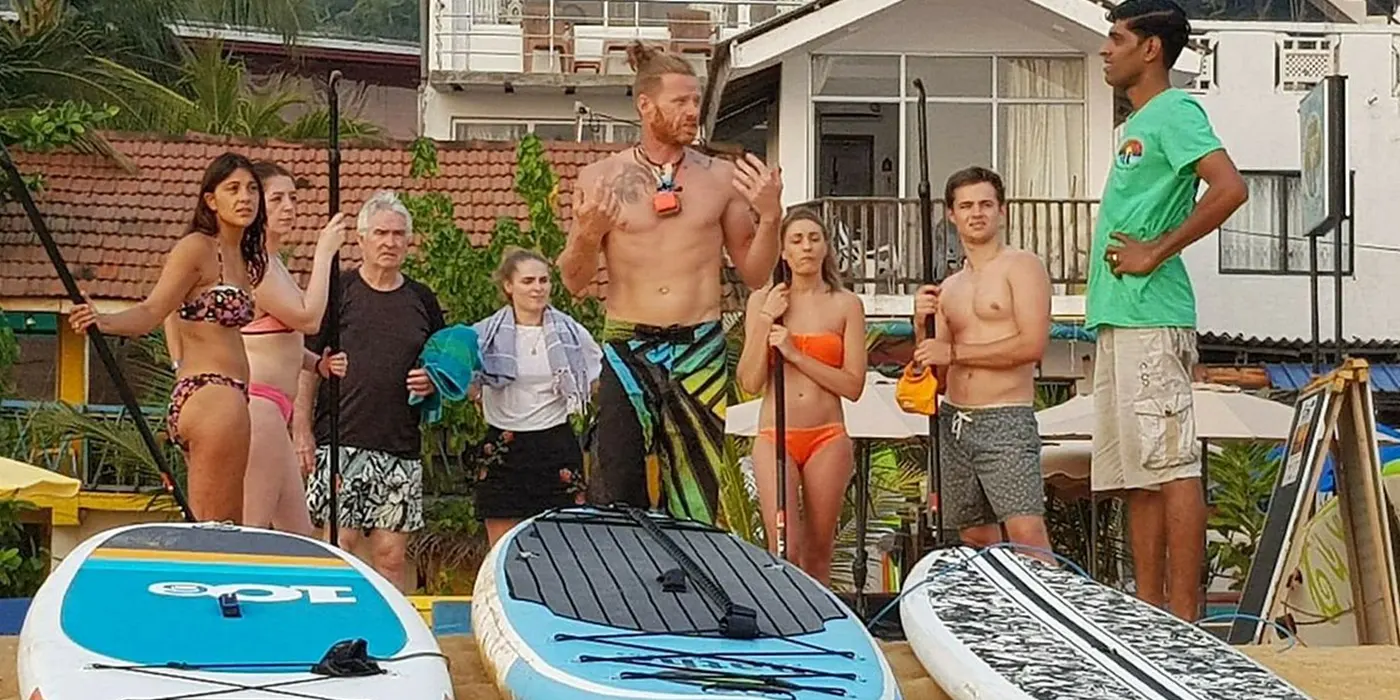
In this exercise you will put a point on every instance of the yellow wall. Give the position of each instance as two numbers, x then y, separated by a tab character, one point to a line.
72	365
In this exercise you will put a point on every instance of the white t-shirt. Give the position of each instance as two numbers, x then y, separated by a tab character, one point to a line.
531	401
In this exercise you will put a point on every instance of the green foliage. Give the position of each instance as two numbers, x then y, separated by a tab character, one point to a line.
1242	478
24	563
381	19
425	161
461	273
9	355
53	126
452	542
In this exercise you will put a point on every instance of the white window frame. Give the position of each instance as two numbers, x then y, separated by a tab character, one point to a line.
1278	234
609	128
908	97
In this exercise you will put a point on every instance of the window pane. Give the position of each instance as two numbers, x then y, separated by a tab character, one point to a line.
959	135
479	131
559	132
626	133
1251	239
855	76
1042	150
34	376
1040	78
966	76
854	139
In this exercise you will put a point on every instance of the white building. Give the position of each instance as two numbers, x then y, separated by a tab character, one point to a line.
826	89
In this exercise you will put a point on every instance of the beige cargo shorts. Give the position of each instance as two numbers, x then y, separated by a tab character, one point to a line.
1145	423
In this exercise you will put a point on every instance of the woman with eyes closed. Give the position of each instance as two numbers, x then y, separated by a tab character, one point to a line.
818	330
207	280
274	494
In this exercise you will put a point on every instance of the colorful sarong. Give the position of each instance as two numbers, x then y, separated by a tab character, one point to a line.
662	398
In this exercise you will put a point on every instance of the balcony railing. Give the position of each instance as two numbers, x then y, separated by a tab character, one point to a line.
880	245
99	465
581	37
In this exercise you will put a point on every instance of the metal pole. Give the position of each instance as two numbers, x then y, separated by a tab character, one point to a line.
99	342
780	276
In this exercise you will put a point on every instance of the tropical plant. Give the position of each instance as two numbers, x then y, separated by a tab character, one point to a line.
1242	478
24	562
9	354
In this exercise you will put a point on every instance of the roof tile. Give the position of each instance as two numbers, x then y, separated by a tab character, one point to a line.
121	226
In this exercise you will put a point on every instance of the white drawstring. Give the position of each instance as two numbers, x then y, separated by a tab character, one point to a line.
960	419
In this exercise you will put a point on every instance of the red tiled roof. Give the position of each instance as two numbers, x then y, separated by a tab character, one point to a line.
115	228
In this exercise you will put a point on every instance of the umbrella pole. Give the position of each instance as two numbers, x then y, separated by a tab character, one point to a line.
858	566
99	342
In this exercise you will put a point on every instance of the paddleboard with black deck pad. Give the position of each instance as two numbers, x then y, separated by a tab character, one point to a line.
584	603
215	611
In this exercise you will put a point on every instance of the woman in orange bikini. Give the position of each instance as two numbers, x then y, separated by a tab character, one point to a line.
207	278
273	492
821	338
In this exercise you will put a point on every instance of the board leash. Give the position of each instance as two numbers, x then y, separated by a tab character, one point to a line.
781	275
99	341
333	311
933	274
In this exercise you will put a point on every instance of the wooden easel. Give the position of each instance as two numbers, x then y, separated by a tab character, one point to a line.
1337	407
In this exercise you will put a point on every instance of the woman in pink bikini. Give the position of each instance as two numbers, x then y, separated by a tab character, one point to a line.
818	328
206	280
273	493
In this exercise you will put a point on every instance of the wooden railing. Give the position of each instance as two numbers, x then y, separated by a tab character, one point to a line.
880	245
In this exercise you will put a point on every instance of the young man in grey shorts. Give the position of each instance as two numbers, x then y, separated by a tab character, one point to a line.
992	325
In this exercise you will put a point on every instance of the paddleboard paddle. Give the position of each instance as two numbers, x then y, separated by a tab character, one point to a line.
99	342
332	338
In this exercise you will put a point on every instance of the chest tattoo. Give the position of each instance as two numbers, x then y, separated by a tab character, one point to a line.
633	185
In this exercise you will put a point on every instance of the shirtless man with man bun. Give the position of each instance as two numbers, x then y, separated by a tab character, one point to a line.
992	323
662	214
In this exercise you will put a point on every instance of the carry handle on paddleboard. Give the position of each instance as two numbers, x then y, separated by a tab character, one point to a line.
782	274
932	275
99	341
332	339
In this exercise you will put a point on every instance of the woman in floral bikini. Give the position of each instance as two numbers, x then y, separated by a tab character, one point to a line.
203	281
538	366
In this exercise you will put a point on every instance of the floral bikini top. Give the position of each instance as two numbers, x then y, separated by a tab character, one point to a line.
225	304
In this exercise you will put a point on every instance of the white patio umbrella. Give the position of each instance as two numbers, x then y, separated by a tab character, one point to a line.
1222	413
876	415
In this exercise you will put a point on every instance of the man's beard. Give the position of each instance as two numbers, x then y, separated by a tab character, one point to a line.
672	131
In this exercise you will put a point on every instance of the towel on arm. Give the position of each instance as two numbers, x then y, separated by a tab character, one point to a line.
450	357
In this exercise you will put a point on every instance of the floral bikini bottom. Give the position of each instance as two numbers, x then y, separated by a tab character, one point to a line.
185	388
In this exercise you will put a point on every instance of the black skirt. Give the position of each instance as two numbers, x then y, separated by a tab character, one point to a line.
526	472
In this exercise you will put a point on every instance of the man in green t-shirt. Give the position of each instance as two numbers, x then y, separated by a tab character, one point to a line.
1141	303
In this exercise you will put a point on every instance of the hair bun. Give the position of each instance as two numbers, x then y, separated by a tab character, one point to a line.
639	54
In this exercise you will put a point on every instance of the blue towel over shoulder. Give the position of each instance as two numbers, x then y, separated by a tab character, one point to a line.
450	357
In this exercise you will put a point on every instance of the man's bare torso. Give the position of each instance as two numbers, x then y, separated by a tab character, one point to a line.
665	270
978	307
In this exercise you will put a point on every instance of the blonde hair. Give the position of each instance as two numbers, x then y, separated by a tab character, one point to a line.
651	63
510	262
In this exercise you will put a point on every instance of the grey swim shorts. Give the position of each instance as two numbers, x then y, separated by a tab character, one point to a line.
991	464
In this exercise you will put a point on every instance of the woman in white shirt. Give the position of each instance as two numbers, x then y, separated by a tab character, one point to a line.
538	367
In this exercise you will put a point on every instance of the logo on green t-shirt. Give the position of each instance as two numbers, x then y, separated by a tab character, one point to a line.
1151	189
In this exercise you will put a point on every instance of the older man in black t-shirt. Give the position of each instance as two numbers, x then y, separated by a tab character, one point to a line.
385	320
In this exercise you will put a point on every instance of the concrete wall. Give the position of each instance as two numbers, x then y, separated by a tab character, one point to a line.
1259	126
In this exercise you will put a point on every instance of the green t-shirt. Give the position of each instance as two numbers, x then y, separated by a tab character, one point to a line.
1150	191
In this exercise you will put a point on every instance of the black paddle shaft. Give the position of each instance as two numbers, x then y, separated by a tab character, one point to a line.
332	339
99	341
932	275
780	276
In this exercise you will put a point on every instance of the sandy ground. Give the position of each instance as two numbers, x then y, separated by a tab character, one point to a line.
1325	673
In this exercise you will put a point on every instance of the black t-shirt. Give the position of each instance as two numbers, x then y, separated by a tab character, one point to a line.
382	333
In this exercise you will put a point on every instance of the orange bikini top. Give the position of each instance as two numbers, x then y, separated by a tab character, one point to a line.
828	348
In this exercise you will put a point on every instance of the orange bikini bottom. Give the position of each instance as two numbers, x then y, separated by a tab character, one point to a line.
802	443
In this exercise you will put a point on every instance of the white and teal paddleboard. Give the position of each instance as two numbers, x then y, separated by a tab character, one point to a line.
219	612
612	604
